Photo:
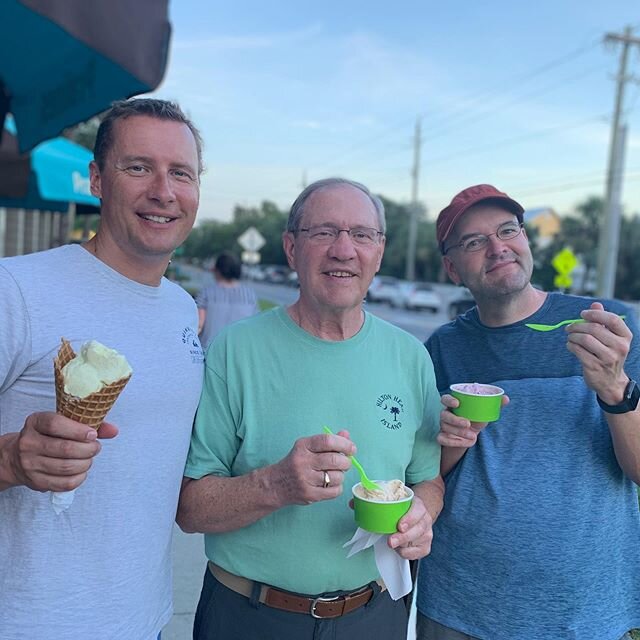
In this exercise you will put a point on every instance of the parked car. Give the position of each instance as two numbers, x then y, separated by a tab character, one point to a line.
461	303
382	288
416	295
276	274
292	279
253	272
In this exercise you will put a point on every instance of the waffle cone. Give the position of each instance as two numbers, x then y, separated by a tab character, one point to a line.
92	409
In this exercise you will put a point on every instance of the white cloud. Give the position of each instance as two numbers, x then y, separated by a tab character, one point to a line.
244	42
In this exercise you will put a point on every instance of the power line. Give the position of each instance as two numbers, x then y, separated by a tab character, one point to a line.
490	111
364	143
515	139
570	186
475	117
518	81
487	148
471	100
487	112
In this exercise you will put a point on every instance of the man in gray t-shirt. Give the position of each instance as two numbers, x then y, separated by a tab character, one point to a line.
102	568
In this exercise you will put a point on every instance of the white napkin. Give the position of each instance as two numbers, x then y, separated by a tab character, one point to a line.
61	500
393	569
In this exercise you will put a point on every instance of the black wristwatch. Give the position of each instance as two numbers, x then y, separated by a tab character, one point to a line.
629	400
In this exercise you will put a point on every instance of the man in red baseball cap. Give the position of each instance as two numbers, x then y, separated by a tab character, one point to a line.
520	550
480	193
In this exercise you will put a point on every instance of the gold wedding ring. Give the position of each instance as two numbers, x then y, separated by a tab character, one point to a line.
327	480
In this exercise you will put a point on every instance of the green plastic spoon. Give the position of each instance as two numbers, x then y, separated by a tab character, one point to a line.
366	483
551	327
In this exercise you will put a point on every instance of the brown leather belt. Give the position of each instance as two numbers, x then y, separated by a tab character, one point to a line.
319	607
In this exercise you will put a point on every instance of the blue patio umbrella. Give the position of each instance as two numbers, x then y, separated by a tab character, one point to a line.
54	174
64	61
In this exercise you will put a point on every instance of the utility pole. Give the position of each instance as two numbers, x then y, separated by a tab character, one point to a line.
410	271
610	223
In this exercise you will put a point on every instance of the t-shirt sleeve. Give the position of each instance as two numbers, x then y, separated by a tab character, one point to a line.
255	305
425	460
15	335
214	439
202	298
632	364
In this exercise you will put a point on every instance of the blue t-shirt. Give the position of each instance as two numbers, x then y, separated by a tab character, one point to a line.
539	538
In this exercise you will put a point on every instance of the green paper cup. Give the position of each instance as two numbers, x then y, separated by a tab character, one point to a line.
478	402
379	516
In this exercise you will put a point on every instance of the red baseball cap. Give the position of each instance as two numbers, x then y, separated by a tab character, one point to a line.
466	199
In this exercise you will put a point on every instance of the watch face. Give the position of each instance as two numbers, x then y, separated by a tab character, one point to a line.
632	395
629	401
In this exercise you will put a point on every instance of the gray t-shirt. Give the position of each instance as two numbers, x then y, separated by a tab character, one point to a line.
101	569
224	305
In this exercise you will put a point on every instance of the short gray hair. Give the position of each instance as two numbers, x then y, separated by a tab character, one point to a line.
297	208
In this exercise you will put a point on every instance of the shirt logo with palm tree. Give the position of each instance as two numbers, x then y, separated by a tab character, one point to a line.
392	408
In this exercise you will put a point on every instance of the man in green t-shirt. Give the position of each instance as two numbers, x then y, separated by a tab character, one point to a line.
266	485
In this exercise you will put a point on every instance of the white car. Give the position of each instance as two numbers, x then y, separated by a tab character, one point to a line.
416	295
461	303
382	289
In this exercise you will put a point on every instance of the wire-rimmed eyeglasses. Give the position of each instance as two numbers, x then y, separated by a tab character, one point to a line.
478	241
328	234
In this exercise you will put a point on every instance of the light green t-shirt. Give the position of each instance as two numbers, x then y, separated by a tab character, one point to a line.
268	383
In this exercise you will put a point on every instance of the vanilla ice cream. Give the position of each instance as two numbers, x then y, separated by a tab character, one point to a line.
390	491
93	368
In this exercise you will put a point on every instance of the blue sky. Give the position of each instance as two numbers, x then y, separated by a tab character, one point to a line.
516	94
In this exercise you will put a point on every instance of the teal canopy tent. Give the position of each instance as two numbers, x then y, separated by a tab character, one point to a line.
64	61
54	174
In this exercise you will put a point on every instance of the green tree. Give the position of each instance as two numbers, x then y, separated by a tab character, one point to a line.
211	237
428	263
627	281
84	133
579	232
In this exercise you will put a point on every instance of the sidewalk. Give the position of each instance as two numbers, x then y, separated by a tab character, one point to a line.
188	571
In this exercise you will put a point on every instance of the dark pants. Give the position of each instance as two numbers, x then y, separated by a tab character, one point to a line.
428	629
223	614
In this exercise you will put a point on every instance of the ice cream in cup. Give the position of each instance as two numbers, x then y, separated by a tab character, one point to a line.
380	511
478	402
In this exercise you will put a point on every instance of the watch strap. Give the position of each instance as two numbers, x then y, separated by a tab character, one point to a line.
629	400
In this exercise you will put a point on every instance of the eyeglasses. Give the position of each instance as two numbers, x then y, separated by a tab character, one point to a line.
478	241
326	234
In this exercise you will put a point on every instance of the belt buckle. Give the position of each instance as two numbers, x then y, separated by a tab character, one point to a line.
314	603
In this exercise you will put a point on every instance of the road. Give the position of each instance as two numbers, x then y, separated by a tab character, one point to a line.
188	550
419	323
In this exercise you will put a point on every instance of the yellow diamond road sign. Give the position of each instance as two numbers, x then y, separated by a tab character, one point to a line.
564	262
562	281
